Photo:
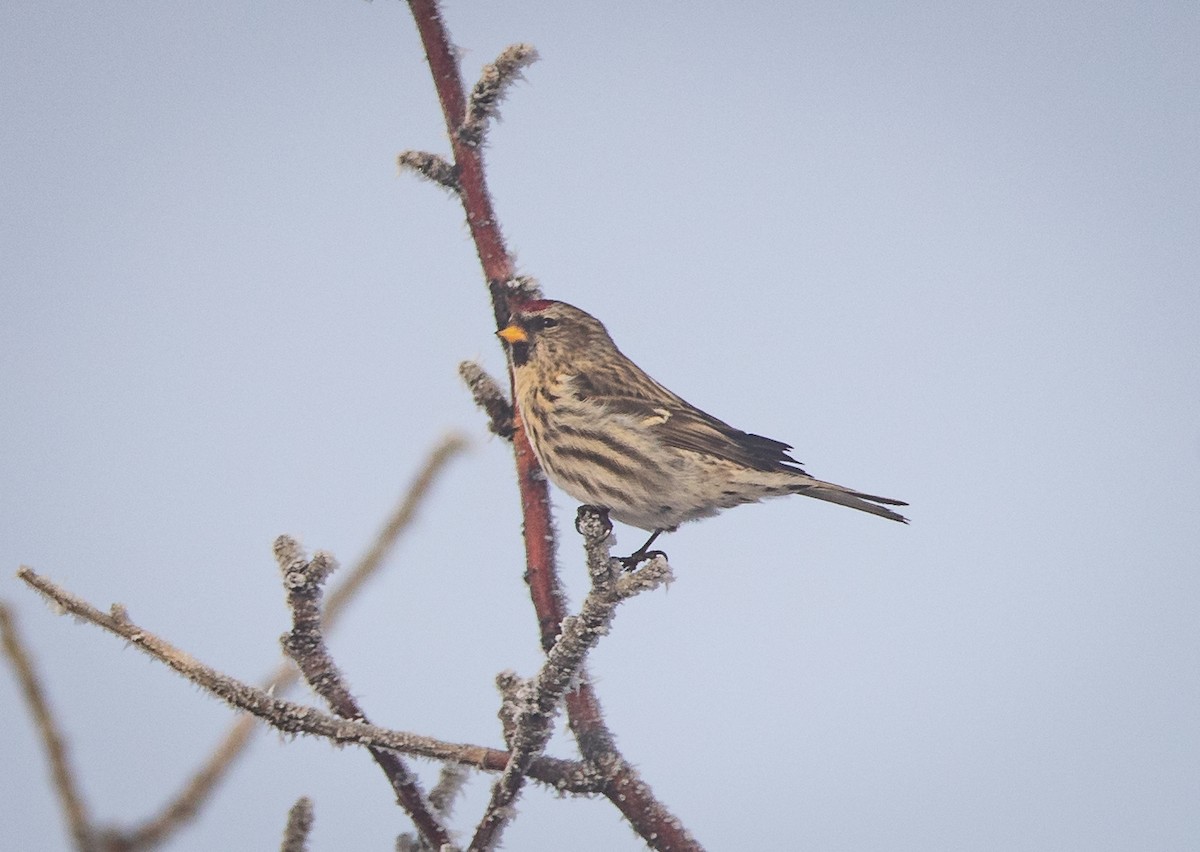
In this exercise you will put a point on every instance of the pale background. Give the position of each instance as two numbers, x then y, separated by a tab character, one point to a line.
949	251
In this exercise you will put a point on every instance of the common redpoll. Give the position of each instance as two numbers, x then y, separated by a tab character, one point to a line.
612	437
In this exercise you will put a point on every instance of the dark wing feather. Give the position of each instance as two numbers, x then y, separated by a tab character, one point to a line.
625	388
689	428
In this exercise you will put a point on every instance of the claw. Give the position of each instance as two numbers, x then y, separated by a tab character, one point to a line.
636	558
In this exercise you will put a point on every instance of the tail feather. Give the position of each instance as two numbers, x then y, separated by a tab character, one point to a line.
849	497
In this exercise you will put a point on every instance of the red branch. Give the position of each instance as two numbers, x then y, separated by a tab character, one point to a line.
648	817
498	269
477	202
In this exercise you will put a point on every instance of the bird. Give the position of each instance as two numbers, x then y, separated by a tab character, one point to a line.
612	437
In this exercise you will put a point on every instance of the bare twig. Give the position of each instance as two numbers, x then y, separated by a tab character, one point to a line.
448	788
52	738
305	644
292	718
493	85
400	520
498	270
534	722
477	202
523	288
624	788
513	689
648	816
541	572
489	397
432	167
199	787
299	824
450	784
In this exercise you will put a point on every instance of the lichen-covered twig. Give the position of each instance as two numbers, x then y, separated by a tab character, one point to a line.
494	82
305	644
433	167
646	814
451	781
488	396
198	788
448	788
563	665
624	786
292	718
467	159
523	288
512	689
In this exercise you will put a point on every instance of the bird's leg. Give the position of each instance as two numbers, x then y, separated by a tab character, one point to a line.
634	559
643	553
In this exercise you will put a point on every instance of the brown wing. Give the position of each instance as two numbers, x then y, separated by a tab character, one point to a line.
679	424
625	388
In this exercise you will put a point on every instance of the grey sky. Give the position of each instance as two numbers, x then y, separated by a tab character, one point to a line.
949	251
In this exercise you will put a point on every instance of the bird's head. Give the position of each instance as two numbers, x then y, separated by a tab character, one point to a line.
551	334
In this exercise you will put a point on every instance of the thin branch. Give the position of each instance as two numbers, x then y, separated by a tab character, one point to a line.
292	718
433	167
450	785
195	793
498	271
541	572
400	520
488	396
523	288
631	795
305	644
534	724
299	825
494	83
477	202
661	829
512	689
48	730
583	708
197	790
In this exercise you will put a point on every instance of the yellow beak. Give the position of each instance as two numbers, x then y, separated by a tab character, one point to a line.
513	334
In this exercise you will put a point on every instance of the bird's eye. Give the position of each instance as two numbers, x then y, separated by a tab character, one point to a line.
538	323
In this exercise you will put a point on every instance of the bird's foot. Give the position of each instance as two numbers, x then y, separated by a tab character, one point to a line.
636	558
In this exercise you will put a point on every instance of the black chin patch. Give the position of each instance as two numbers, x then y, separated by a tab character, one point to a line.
520	354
